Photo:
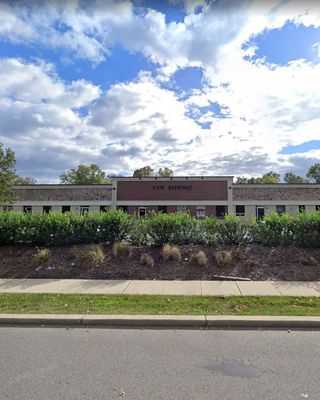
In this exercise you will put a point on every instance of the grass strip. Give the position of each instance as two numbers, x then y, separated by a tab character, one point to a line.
157	305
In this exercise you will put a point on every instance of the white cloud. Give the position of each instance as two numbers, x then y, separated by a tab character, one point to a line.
139	122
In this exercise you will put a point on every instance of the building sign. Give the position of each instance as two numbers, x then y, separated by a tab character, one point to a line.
172	190
171	187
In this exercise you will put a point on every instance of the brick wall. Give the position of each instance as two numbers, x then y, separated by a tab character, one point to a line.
277	194
64	194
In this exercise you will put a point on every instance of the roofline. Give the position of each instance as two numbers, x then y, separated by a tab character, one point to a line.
268	185
60	185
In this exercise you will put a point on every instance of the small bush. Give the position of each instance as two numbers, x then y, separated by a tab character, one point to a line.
223	258
121	250
147	260
171	253
232	231
93	255
199	259
42	255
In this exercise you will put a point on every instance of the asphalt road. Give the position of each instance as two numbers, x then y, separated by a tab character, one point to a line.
76	364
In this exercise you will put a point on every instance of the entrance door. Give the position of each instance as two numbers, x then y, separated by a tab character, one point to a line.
260	212
142	212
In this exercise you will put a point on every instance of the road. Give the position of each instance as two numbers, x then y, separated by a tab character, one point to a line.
137	364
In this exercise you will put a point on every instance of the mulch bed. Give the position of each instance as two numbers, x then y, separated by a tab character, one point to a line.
254	261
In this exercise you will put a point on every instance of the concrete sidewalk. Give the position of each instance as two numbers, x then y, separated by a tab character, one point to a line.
196	288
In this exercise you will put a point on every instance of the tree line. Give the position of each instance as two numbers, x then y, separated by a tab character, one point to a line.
93	174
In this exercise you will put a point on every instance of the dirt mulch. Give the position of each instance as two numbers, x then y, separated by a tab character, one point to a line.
255	262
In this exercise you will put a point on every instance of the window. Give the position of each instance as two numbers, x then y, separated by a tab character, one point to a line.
302	209
240	211
104	208
46	209
318	208
260	212
280	209
182	208
66	209
162	209
220	211
142	212
84	210
27	209
7	208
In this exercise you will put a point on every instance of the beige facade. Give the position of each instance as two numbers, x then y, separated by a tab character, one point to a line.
198	195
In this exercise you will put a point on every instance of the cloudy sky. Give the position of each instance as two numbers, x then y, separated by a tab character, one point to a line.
203	87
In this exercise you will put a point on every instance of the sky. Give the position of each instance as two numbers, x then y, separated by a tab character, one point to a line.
203	87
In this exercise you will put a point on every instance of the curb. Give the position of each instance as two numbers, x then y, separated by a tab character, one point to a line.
169	321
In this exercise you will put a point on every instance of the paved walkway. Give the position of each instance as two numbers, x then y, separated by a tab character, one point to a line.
199	288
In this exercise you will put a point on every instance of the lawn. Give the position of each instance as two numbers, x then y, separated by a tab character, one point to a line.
157	305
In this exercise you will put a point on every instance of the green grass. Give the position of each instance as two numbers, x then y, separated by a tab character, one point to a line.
161	305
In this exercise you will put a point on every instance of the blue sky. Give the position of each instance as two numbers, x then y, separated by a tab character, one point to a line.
202	87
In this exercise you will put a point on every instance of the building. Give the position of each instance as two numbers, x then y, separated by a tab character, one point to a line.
201	196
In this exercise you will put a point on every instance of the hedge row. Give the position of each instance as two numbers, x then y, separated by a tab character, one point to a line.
177	228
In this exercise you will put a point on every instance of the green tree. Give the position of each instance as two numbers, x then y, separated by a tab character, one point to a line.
289	177
144	171
20	180
84	175
165	172
314	173
269	177
7	174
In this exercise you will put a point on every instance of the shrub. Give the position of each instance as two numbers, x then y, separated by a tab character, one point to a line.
121	250
199	259
56	228
210	227
147	260
223	258
171	253
274	230
138	234
42	255
175	228
232	231
306	229
93	255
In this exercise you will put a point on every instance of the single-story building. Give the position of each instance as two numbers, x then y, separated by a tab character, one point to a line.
201	196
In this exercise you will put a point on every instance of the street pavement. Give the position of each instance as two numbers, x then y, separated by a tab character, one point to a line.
196	288
151	364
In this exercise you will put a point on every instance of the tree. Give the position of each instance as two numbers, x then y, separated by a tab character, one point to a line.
314	173
84	175
165	172
20	180
7	174
269	177
289	177
144	171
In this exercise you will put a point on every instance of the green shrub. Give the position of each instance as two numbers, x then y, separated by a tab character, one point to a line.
42	256
232	231
138	234
121	250
56	228
274	230
210	228
306	229
175	228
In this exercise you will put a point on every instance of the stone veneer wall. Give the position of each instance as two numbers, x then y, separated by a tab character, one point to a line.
274	193
64	194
